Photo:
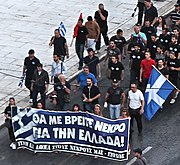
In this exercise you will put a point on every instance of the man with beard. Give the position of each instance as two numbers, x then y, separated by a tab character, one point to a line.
91	95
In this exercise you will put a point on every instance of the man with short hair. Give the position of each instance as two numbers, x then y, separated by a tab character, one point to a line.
173	65
140	160
91	95
174	16
142	37
60	45
120	42
111	51
115	97
40	84
58	67
81	79
93	32
115	69
30	65
81	42
151	12
101	18
136	106
146	68
92	62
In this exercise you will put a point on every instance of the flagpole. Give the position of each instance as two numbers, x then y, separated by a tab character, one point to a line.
72	42
165	77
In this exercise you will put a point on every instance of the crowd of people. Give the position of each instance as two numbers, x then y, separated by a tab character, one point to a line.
155	41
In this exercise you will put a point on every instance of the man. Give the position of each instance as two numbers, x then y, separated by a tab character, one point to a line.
60	45
174	46
164	70
91	95
120	42
81	42
92	62
146	68
81	79
115	97
152	46
63	89
165	38
148	30
140	6
140	160
173	65
40	84
115	69
93	32
136	106
30	64
111	51
58	67
135	60
101	18
174	16
142	37
150	12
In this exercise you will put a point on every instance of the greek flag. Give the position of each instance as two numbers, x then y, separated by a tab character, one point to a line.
157	91
62	29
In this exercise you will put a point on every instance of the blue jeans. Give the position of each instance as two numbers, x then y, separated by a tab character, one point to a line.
80	51
114	111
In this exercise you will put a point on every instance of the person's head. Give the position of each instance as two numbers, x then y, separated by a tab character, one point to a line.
136	47
89	18
115	83
11	101
133	87
176	32
119	32
39	105
160	49
174	39
57	33
177	7
112	44
80	22
31	53
86	70
172	55
39	67
147	55
160	63
101	6
98	110
137	152
114	58
56	57
61	78
125	113
147	23
147	3
165	31
137	29
76	108
153	37
90	52
89	81
161	20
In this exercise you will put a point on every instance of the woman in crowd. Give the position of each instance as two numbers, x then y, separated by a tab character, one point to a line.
76	108
8	121
98	110
160	25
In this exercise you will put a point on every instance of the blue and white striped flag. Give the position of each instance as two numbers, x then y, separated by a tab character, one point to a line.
157	91
62	29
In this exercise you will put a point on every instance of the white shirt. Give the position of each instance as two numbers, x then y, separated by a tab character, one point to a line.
56	68
135	99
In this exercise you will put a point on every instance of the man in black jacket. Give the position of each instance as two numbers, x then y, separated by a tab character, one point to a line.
40	83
